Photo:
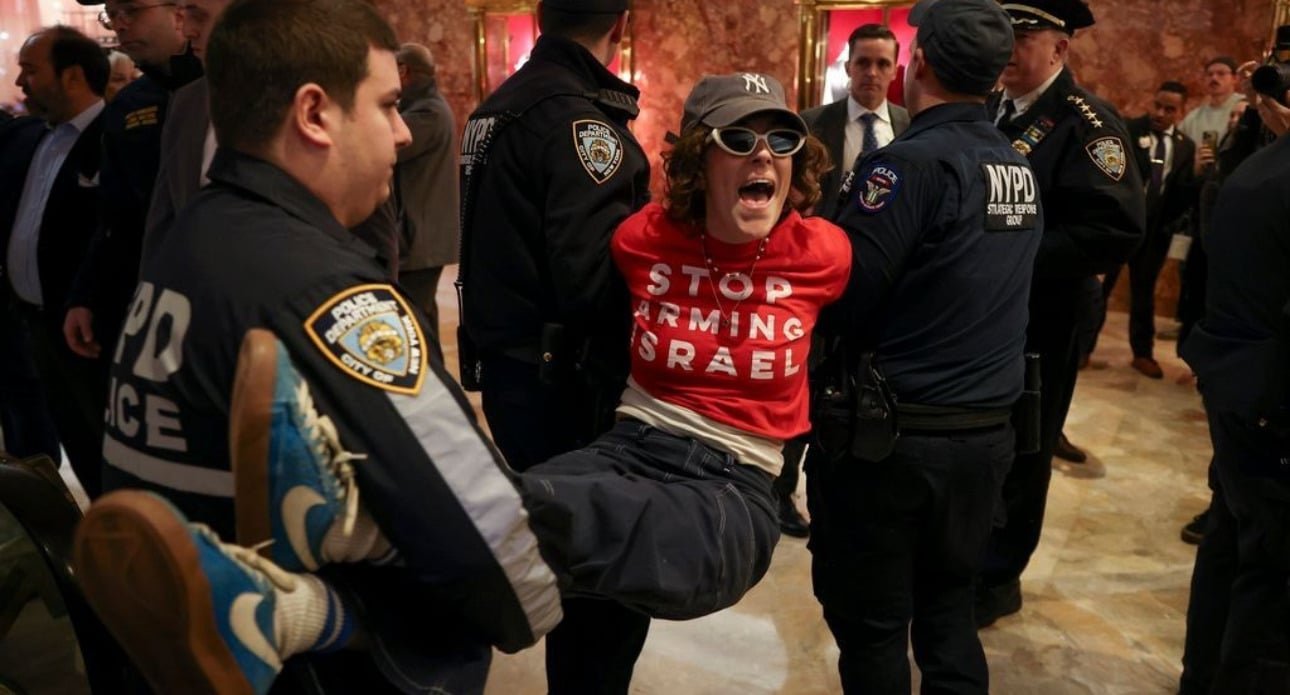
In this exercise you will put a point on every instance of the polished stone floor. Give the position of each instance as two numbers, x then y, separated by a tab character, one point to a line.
1105	596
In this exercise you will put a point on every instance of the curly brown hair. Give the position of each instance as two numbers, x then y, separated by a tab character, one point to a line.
684	187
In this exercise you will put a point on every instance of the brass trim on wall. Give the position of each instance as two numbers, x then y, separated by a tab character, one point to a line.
1280	15
480	10
813	32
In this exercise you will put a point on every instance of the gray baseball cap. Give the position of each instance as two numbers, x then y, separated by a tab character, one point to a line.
967	42
718	101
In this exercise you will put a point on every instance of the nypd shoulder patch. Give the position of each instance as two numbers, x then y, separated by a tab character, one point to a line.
876	187
369	332
599	148
1108	154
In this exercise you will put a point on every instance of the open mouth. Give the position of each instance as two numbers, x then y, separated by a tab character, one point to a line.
757	193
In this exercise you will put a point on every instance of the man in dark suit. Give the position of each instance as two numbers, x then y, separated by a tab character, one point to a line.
425	183
865	120
1166	159
52	163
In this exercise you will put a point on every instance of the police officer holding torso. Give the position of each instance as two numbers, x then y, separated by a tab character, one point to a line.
549	170
1094	218
944	224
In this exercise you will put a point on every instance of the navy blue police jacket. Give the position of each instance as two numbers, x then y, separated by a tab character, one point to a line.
557	182
1094	198
944	224
257	249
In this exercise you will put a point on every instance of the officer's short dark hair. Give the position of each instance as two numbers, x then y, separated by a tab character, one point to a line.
262	51
1175	87
684	185
69	47
586	26
1229	61
871	31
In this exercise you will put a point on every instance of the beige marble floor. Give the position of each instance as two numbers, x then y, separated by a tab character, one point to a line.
1105	596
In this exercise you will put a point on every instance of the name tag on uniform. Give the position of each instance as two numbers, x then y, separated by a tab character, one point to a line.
1012	198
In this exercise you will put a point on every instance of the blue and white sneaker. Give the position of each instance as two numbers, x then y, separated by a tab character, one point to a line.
295	488
194	614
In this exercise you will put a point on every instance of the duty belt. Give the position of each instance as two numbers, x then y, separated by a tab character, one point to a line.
937	418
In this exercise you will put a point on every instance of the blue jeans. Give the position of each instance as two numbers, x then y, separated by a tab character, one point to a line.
662	524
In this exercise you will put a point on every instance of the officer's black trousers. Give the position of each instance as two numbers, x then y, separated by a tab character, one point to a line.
896	546
77	389
1054	316
25	421
1238	615
595	646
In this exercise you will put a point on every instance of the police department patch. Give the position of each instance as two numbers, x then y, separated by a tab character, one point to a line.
599	149
1108	154
878	188
371	335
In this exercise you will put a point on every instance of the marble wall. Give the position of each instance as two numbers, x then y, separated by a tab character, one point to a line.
1135	45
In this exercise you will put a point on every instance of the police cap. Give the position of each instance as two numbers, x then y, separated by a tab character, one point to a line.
1062	15
967	42
588	6
718	101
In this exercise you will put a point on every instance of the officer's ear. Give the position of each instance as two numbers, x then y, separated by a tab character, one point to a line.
917	63
313	114
1062	47
620	29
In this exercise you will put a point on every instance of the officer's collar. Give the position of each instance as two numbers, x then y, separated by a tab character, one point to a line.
945	113
256	177
574	56
180	70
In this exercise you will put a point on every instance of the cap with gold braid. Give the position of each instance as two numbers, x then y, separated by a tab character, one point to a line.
1062	15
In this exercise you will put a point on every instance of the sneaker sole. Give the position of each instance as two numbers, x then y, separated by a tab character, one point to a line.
138	567
250	418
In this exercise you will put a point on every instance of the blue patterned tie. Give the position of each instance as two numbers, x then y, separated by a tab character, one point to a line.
870	142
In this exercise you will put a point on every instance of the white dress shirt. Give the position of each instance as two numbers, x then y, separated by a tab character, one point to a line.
1150	140
24	237
854	141
1023	103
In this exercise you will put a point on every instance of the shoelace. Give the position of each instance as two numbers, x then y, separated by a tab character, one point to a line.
327	442
249	560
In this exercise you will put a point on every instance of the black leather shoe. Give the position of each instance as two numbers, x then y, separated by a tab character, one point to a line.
1067	451
791	522
994	602
1194	531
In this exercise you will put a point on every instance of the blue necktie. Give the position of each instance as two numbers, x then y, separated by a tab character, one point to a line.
870	142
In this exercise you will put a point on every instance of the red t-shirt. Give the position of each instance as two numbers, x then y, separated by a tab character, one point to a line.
739	360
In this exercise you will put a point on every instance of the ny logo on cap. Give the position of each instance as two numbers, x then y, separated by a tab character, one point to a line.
755	83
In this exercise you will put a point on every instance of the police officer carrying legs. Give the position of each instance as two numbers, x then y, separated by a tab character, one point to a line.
1094	218
945	223
549	170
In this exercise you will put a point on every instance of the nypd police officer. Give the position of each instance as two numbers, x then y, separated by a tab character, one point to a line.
944	224
1094	218
549	169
